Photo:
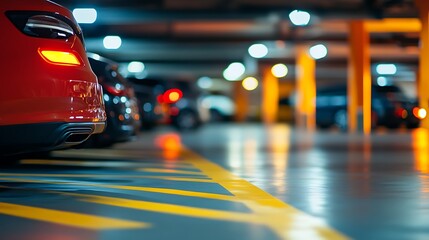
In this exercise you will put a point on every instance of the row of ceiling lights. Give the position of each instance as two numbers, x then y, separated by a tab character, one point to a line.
235	70
89	16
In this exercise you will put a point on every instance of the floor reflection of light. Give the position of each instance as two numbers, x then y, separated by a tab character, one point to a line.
250	152
318	182
234	155
171	145
278	144
420	146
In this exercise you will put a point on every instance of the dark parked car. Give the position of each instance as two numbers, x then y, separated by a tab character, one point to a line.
180	101
49	96
152	112
123	118
390	107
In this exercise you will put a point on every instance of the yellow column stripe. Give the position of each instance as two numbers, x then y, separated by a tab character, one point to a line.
176	178
79	220
283	219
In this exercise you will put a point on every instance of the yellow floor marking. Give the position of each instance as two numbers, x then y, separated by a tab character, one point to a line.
79	220
295	225
286	221
168	208
176	178
101	163
132	188
109	154
161	170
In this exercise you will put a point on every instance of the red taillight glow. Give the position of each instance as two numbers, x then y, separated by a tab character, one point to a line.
172	95
114	91
419	112
60	57
399	112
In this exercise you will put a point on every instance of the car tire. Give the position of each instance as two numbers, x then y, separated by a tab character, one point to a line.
216	116
413	125
187	120
340	119
393	124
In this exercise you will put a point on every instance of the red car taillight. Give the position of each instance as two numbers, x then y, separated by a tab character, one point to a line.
65	58
419	113
114	91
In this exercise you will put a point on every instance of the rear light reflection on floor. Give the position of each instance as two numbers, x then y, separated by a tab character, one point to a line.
420	138
171	145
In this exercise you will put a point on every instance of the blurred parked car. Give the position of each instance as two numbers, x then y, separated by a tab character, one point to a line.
221	107
180	100
50	97
151	111
390	107
123	118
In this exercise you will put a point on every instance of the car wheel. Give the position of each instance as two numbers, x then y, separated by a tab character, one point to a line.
412	125
374	120
340	119
187	120
215	116
393	124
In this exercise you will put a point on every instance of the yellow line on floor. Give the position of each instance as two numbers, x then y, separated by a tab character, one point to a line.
161	170
71	219
131	188
176	178
109	154
286	221
104	164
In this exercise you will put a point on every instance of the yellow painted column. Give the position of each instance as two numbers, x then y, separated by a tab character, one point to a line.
306	89
359	79
423	83
241	99
270	96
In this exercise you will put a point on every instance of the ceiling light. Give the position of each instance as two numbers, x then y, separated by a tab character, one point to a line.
112	42
250	83
382	81
234	71
85	15
386	69
299	18
279	70
135	67
318	51
258	50
205	82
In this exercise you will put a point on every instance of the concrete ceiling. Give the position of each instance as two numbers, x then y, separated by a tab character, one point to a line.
196	38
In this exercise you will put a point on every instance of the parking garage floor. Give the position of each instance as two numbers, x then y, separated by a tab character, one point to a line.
224	181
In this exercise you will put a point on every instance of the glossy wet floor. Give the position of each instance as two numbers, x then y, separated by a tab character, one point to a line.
224	182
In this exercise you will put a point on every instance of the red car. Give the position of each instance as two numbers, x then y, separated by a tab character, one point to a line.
49	96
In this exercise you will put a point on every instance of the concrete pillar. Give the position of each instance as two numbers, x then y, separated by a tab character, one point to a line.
359	79
270	96
306	89
241	99
423	76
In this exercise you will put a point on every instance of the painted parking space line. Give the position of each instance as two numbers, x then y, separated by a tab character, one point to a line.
105	164
264	210
159	170
131	188
71	219
104	176
286	221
